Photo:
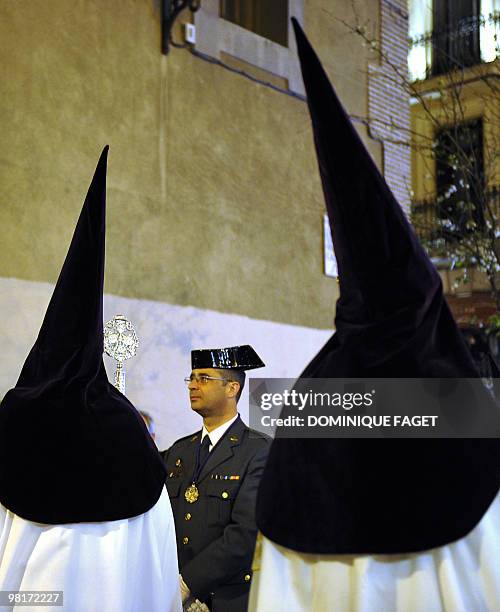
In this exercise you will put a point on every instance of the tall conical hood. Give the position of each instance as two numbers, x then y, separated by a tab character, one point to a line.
358	496
72	448
388	285
364	215
69	346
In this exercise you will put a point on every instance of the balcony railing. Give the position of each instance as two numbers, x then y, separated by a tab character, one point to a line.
435	226
467	43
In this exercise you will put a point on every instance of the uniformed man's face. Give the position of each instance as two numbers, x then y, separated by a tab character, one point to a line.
208	396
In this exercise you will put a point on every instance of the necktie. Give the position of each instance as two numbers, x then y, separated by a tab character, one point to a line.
204	452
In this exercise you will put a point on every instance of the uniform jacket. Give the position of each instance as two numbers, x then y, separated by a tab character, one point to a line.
216	534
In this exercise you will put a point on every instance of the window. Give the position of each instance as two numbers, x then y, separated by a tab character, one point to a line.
449	34
253	36
456	34
420	32
268	19
460	177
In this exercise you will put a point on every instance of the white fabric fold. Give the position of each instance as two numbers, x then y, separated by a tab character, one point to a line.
460	577
128	565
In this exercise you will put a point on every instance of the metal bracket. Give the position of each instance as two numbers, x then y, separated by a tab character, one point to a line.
170	10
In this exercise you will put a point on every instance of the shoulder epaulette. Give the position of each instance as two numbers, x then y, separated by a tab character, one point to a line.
191	437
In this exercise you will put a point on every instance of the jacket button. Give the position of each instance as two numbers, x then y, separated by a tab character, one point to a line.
187	517
247	577
178	462
225	494
185	540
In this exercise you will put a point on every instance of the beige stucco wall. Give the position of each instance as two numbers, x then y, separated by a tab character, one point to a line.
214	198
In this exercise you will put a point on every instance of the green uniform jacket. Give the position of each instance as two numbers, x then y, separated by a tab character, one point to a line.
216	534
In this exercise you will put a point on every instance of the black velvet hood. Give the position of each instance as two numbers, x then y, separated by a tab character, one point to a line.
72	447
359	496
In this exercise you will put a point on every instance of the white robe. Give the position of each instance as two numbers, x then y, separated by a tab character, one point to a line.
461	577
128	565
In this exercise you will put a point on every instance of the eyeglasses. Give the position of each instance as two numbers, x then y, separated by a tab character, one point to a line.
203	379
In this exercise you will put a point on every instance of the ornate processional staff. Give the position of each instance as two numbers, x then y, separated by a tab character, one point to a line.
120	343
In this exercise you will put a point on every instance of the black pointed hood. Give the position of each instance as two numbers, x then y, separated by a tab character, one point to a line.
70	342
72	448
364	215
388	285
375	496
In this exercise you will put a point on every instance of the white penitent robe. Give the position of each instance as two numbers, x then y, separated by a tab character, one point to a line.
128	565
461	577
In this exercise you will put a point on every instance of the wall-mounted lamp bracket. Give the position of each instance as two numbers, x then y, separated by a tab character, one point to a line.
170	11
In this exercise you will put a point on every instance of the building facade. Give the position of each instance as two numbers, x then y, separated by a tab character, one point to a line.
215	210
454	69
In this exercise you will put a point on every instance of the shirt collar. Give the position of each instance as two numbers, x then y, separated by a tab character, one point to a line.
217	433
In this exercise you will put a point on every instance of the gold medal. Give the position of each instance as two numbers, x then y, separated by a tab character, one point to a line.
192	493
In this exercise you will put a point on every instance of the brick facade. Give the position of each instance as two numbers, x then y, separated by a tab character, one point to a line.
388	106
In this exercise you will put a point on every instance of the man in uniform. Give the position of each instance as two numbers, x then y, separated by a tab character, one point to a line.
212	480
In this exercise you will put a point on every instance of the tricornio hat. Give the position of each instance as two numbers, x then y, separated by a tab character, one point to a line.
231	358
72	447
372	496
